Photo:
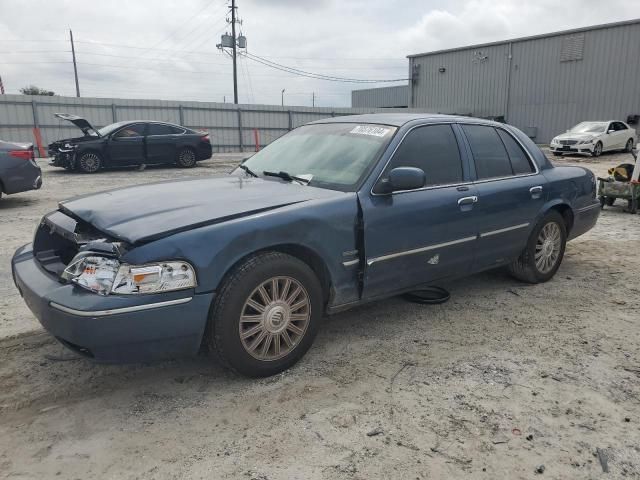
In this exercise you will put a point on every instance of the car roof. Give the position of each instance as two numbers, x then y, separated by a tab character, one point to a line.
399	119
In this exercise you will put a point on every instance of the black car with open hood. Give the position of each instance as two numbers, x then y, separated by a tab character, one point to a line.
128	143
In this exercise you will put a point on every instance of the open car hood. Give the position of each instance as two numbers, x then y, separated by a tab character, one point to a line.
79	122
143	213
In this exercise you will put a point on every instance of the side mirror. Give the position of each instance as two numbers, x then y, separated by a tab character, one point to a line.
403	178
610	131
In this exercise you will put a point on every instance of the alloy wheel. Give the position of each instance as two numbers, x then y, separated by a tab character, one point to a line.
187	158
548	247
629	145
597	150
274	318
90	162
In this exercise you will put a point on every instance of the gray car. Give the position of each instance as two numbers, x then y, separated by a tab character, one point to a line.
18	169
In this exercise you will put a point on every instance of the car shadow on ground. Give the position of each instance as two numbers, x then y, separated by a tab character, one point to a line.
41	369
16	200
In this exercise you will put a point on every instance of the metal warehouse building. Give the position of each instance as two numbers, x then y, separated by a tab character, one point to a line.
542	84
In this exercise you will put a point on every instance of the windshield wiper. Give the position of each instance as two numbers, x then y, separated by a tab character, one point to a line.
287	176
248	170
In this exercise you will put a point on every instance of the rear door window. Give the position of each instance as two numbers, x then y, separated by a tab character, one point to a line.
434	149
489	153
520	162
162	129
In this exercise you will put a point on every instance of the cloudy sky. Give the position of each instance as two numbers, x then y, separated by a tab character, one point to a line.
166	49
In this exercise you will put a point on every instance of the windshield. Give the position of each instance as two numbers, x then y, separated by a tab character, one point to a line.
333	155
589	127
110	128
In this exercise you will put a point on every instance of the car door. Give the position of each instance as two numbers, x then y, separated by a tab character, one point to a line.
126	145
511	193
610	139
621	134
420	236
161	143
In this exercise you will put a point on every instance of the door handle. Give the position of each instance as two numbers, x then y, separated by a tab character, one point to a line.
534	190
467	200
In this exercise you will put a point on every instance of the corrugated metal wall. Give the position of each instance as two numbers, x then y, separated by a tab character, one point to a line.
231	127
384	97
539	93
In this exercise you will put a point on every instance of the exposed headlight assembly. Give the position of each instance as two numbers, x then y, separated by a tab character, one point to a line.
105	275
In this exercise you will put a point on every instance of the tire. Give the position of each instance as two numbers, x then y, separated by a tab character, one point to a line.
186	158
89	162
602	201
252	284
609	201
629	146
527	267
597	150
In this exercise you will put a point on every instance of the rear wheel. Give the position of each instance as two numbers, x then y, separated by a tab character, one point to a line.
89	162
266	315
543	254
186	158
629	146
597	150
609	201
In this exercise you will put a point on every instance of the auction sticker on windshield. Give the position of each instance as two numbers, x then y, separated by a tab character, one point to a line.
369	130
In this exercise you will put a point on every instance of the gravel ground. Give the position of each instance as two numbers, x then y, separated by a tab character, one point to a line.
502	380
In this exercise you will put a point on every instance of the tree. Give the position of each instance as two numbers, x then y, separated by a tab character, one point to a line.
33	90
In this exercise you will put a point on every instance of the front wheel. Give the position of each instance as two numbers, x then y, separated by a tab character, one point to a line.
266	314
543	254
186	158
597	150
89	162
629	146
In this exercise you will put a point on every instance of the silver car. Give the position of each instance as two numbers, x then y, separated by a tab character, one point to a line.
18	169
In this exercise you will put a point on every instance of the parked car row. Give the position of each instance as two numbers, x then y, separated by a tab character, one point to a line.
332	215
129	143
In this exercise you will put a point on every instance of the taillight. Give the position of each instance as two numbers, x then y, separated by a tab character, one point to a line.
24	154
205	138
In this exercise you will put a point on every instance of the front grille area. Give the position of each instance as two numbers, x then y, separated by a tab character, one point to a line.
568	142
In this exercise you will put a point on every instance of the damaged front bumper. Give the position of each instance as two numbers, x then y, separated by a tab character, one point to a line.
62	157
108	328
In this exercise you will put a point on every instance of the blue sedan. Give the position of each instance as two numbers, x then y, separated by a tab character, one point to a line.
332	215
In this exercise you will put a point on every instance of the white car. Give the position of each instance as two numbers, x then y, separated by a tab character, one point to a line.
594	138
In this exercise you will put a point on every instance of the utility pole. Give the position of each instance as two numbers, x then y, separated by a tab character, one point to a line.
1	87
282	97
313	99
234	43
75	67
233	34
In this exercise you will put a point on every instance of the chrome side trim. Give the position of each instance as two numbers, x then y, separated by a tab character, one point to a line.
503	230
390	256
351	263
590	207
116	311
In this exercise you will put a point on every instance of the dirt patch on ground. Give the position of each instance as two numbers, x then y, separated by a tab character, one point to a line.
501	380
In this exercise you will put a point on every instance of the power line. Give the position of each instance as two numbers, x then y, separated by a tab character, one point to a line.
317	76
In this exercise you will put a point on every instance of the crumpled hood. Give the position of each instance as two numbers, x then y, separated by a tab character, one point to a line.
142	213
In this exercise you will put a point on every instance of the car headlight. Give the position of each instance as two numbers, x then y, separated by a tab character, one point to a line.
554	140
69	146
589	140
105	275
